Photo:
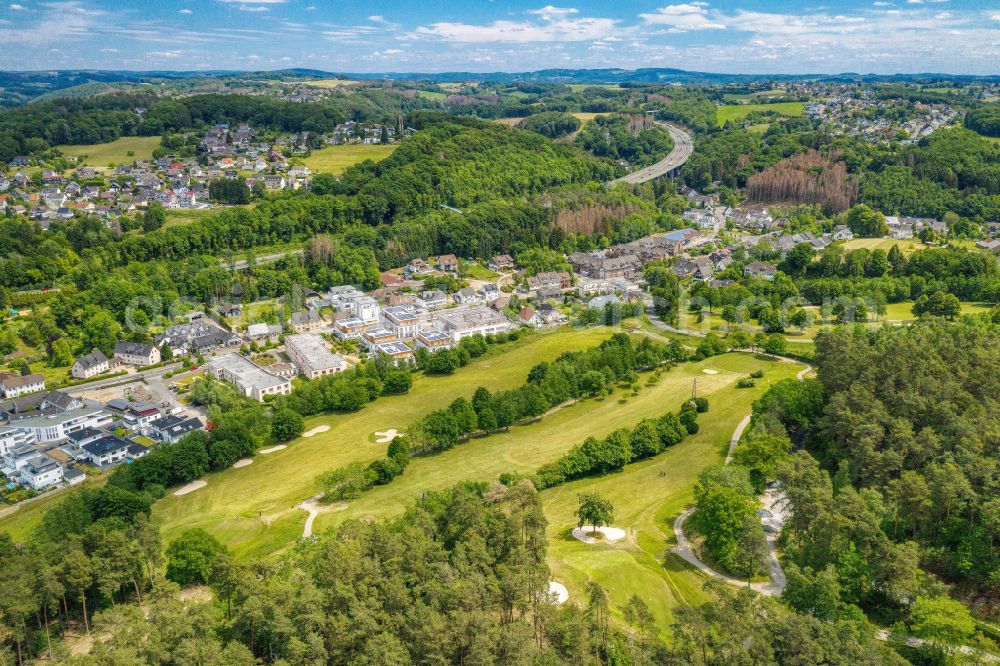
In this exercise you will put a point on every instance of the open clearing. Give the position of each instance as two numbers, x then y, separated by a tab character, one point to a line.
741	111
336	159
178	217
906	245
114	153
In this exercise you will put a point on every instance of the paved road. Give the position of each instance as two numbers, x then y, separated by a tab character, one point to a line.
683	147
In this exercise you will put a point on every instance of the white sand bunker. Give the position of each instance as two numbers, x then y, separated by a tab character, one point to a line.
315	431
191	487
708	371
607	534
558	591
279	447
386	436
242	462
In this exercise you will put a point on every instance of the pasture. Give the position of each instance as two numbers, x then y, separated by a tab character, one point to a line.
125	150
331	83
336	159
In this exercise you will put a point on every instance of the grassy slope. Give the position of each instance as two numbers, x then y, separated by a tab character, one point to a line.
252	509
115	152
178	217
741	111
335	159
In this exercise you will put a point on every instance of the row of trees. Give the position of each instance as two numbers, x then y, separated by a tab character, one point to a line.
571	376
601	456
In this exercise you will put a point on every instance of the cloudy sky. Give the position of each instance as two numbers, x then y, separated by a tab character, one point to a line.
882	36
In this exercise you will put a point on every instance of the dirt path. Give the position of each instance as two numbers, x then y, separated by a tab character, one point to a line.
314	508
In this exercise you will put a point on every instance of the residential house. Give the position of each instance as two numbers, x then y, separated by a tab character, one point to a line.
401	321
466	296
13	384
139	416
40	472
106	451
50	424
397	351
431	299
350	328
760	269
842	232
138	354
307	321
501	263
434	340
173	427
11	438
447	262
374	337
489	292
90	365
529	317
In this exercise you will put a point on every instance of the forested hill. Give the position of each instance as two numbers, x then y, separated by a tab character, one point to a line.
487	171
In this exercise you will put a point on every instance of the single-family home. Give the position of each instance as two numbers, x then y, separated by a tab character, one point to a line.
90	365
501	262
529	317
761	269
467	296
447	262
106	451
173	427
306	321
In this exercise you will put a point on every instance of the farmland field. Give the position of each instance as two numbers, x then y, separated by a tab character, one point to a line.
114	153
741	111
330	83
336	159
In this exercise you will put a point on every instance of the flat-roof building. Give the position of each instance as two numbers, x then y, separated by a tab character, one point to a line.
377	336
249	378
311	356
434	340
470	321
401	320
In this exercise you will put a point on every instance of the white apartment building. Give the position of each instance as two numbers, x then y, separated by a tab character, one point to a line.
311	356
249	378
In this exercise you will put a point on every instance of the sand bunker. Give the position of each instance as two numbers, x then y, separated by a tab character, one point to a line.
608	534
710	372
558	591
242	462
279	447
386	436
191	487
315	431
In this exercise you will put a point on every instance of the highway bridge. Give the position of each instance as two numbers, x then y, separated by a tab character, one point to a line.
683	147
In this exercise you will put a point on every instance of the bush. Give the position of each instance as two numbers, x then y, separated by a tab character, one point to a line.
700	405
757	374
397	382
689	418
746	382
286	425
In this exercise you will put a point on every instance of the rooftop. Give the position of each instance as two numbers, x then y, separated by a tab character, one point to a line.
246	370
314	352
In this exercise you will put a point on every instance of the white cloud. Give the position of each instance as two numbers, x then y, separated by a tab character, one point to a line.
552	29
164	54
253	8
548	12
684	17
184	11
18	8
914	2
882	4
254	2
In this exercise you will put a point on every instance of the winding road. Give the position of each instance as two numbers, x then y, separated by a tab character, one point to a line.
683	147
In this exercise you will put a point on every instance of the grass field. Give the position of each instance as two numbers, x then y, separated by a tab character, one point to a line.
477	271
586	117
741	111
907	245
335	159
897	312
253	509
432	95
330	83
115	152
178	217
577	87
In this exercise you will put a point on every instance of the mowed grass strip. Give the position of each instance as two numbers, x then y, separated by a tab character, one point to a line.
115	152
336	159
741	111
249	508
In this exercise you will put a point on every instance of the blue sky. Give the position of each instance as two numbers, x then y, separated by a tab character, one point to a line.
883	36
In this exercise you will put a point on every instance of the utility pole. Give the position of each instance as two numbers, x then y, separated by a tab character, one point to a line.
694	388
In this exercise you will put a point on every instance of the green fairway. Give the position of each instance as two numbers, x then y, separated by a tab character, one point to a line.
122	151
645	502
897	312
335	159
253	509
741	111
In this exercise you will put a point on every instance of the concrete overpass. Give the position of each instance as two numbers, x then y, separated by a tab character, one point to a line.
683	147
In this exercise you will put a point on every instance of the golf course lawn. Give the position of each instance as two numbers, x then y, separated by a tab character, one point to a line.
741	111
115	152
336	159
252	509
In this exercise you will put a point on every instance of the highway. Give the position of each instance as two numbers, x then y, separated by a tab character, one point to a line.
683	147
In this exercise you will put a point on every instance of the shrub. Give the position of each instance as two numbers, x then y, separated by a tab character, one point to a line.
746	382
